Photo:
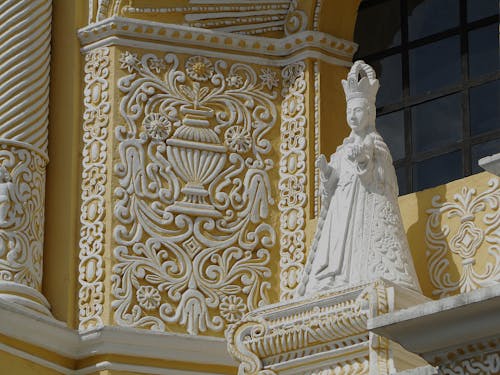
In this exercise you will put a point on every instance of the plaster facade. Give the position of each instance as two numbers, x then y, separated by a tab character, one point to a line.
178	148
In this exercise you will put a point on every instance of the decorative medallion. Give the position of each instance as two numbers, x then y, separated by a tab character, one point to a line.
471	235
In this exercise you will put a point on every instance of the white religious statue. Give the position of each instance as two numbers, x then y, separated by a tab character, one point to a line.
7	197
360	235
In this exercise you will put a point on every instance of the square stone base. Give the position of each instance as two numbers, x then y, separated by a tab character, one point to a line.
325	334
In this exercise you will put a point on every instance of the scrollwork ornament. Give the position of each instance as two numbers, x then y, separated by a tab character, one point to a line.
94	176
465	241
292	177
22	193
296	20
192	208
486	364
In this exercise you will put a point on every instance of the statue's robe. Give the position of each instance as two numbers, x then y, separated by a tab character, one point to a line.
360	236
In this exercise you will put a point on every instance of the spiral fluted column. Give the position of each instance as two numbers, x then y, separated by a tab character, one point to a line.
24	96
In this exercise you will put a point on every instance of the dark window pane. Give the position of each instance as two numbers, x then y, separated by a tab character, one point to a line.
483	51
485	107
477	9
392	128
438	170
482	150
389	74
437	123
378	27
427	17
402	178
435	65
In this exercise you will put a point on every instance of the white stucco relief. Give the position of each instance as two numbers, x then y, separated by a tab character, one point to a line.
94	177
360	235
479	222
251	17
24	93
192	230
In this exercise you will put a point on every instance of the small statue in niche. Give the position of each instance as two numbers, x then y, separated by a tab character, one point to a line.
7	197
360	235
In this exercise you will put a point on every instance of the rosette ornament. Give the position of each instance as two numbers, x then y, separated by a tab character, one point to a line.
197	156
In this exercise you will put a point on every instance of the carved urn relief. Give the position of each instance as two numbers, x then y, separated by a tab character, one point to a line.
197	156
193	233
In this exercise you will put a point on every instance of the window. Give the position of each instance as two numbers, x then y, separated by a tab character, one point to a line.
438	106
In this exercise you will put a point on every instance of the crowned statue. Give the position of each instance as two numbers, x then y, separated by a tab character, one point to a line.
360	235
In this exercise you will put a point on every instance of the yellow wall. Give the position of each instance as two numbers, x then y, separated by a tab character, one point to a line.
13	365
415	211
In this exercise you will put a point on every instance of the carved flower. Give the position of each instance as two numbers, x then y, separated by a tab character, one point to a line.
128	61
238	139
148	297
388	215
234	80
157	65
269	78
157	126
467	240
232	308
199	68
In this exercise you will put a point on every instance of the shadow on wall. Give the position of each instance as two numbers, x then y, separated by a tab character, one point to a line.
415	211
453	234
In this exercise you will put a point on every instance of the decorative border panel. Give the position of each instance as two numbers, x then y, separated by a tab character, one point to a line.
293	180
94	177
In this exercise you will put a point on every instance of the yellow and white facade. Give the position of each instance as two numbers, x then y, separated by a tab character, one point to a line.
159	182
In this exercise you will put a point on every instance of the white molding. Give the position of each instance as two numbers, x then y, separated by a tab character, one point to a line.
491	163
100	366
448	322
52	335
252	59
32	358
150	370
154	35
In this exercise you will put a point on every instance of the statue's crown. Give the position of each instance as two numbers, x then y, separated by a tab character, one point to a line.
361	82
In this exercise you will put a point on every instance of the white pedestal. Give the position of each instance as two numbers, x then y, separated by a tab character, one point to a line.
323	335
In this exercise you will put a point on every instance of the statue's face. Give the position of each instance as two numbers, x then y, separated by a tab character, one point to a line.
358	115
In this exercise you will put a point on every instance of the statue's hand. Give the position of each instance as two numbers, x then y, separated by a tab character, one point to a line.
323	166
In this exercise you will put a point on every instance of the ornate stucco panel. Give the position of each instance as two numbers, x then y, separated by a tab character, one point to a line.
194	216
94	191
453	232
462	238
268	17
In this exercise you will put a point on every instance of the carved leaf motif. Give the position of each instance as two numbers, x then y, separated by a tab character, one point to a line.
190	212
465	241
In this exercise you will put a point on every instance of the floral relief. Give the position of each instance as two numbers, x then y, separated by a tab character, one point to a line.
157	126
232	308
128	61
148	297
234	80
199	68
238	139
191	227
478	222
269	78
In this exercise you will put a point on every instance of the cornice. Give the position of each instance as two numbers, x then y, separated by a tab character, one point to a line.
491	164
51	335
449	322
148	34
